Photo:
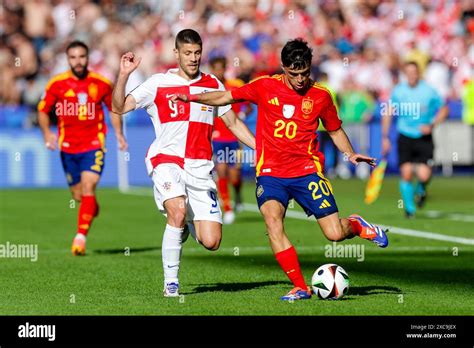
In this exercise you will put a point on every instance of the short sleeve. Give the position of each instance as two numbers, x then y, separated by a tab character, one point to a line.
248	92
221	110
48	100
145	93
329	117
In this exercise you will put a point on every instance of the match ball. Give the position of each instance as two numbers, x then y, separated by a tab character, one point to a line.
330	281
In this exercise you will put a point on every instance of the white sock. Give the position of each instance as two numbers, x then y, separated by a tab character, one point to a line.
171	253
80	236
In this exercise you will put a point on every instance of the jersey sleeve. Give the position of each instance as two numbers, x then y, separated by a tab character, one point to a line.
145	93
221	110
329	117
49	99
248	92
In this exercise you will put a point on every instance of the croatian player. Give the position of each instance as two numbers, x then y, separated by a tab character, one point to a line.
179	161
419	109
76	97
289	165
225	142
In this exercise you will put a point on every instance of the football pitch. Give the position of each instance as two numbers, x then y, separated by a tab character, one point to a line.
428	268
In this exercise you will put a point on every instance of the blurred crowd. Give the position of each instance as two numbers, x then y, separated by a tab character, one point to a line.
358	45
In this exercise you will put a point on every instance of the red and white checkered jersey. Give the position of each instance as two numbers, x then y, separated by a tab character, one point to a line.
183	130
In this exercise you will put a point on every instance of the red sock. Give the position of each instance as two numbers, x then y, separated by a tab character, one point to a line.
87	211
224	193
355	226
288	261
237	184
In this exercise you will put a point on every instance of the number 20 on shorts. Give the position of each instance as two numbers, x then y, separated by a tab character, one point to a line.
316	186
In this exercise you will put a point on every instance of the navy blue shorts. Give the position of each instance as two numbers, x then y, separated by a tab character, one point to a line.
313	192
226	152
76	163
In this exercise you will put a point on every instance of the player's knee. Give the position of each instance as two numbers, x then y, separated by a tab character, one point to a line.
211	244
88	189
334	236
176	216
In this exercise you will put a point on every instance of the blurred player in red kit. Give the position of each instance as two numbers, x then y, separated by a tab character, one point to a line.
77	97
226	147
289	165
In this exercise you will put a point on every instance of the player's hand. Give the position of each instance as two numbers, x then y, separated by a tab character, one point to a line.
356	158
122	142
386	146
128	63
426	129
176	97
50	141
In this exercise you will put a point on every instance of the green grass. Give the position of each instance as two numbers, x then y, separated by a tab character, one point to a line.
413	276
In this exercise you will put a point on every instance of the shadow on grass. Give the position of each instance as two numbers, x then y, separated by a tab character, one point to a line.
373	290
123	250
232	287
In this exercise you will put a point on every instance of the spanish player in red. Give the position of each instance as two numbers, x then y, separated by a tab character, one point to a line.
77	97
290	106
226	147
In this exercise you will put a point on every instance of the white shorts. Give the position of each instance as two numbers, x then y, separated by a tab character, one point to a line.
171	181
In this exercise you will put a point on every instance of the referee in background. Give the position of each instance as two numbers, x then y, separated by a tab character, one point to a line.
418	108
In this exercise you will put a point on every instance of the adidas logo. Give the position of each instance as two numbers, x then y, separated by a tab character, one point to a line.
325	204
274	101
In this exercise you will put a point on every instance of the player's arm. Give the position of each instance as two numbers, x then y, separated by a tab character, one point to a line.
342	142
440	117
50	139
120	104
117	124
218	98
239	128
45	106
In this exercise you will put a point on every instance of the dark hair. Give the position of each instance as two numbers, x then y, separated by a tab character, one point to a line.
77	43
188	36
218	60
411	62
296	54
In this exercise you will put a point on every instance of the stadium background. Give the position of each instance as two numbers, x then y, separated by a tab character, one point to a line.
358	51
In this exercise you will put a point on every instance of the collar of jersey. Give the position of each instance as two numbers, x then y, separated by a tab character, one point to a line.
188	82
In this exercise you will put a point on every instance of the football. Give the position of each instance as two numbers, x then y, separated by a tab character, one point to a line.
330	281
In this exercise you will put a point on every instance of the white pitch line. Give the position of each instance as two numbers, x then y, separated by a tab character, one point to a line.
450	216
393	229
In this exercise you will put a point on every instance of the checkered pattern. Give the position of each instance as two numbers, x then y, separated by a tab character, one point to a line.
183	130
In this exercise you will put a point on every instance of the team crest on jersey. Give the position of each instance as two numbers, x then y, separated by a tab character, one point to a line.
82	98
93	91
259	191
288	110
307	106
167	186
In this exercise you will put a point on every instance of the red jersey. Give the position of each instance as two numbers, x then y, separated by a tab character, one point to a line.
221	132
78	105
286	138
